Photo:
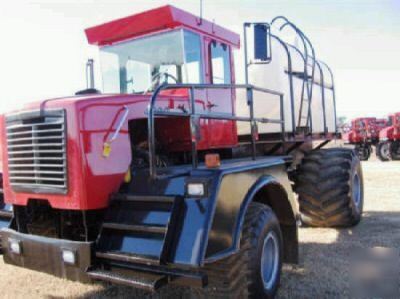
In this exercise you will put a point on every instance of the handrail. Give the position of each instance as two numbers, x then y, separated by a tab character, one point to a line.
247	64
306	43
304	82
193	115
291	88
333	90
322	78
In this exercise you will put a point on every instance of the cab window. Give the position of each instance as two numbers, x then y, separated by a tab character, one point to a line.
193	58
142	64
220	63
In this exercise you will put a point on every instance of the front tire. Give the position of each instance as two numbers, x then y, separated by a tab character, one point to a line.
329	183
364	152
395	150
255	271
383	151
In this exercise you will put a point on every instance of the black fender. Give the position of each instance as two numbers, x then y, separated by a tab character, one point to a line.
209	226
259	185
270	186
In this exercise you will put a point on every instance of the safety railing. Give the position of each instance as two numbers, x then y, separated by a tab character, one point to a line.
194	115
309	58
308	55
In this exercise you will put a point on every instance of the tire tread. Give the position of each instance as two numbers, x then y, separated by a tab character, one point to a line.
323	185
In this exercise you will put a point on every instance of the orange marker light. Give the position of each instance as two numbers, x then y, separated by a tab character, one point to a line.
213	161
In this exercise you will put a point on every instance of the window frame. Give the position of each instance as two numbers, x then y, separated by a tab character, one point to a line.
227	79
185	76
202	75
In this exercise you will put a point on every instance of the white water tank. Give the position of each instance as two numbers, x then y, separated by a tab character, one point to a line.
275	76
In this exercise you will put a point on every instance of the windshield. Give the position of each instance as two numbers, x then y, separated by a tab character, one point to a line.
141	65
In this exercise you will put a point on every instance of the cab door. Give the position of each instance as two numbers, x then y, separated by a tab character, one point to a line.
222	133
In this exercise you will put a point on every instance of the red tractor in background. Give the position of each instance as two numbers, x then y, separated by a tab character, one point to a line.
364	134
389	139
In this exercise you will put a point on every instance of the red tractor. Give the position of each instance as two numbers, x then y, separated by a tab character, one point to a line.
389	139
364	134
5	209
175	174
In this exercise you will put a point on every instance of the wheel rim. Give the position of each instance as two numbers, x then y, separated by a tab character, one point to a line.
385	151
270	260
357	190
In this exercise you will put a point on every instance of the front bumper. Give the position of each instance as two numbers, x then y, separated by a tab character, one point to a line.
45	255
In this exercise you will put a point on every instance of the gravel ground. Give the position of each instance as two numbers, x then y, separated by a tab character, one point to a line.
324	253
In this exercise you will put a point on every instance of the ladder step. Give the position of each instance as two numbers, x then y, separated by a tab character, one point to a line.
129	258
136	228
6	214
141	280
138	198
139	229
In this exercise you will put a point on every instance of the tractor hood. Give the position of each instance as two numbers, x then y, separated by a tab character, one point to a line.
77	100
101	99
60	144
386	133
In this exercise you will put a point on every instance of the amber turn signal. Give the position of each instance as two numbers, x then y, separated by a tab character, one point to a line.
128	176
213	161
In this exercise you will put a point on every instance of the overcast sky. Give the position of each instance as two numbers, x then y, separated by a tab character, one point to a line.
43	48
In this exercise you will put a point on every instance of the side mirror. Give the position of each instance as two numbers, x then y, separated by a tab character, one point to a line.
262	43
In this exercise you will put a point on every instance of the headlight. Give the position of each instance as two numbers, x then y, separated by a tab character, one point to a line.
195	189
69	256
15	246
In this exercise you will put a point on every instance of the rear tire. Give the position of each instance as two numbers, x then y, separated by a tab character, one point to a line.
395	150
255	271
383	151
329	183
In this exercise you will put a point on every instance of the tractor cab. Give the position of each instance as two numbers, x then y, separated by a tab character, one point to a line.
167	45
163	45
394	120
362	125
392	129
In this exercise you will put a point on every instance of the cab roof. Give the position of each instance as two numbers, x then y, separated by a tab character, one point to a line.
162	18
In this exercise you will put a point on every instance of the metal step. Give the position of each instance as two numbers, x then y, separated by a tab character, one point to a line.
141	280
144	198
136	228
128	258
139	229
6	214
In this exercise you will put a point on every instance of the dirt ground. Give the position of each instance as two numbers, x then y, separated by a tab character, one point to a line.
324	253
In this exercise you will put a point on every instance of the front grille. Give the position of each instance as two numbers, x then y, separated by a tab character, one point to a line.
36	144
